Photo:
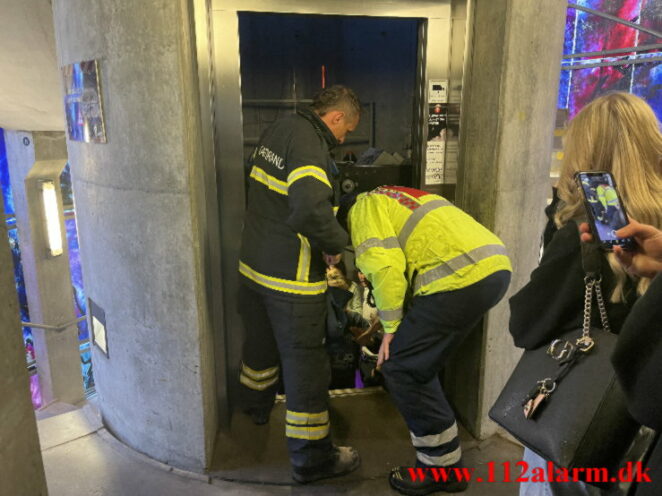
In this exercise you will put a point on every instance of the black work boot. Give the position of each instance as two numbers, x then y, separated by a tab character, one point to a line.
421	480
345	459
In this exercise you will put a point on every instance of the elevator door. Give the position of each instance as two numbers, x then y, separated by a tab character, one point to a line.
270	57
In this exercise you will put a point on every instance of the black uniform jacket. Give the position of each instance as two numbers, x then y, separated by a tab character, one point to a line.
290	219
553	301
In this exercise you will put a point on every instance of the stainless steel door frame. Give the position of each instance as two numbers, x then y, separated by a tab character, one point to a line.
440	9
217	38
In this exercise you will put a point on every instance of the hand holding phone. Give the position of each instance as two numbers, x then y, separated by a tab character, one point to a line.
606	212
646	260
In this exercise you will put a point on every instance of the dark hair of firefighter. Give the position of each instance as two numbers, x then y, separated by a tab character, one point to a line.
345	203
336	97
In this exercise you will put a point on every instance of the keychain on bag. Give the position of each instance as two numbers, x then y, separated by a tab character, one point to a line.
566	352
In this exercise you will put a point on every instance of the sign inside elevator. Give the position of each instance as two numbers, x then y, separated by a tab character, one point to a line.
437	91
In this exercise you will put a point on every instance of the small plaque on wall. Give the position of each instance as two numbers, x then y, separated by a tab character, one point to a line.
437	90
435	152
82	102
98	326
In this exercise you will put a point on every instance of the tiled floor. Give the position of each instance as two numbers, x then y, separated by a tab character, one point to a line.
83	459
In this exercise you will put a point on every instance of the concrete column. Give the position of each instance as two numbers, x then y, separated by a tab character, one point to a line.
43	155
508	113
21	466
140	207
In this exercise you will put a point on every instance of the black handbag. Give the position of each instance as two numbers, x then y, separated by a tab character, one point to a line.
563	400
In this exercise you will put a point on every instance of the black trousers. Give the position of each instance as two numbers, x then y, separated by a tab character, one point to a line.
431	330
289	334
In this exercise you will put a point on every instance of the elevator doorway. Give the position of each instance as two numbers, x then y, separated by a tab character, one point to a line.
268	60
285	59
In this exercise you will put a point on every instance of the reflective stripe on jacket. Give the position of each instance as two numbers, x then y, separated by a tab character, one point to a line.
407	240
290	219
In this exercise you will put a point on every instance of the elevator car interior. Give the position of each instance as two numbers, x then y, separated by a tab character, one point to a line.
270	60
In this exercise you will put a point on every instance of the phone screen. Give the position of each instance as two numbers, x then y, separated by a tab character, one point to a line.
604	203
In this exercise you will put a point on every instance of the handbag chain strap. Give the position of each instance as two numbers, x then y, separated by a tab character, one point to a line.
601	305
593	284
567	353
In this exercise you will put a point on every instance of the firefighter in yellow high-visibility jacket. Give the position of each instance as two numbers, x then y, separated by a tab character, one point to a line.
609	200
434	272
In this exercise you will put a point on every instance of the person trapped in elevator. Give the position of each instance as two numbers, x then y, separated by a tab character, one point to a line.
290	231
434	272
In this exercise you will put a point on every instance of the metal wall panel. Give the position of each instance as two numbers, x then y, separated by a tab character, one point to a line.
230	173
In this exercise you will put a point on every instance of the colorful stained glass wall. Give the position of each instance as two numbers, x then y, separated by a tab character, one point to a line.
593	74
78	293
78	290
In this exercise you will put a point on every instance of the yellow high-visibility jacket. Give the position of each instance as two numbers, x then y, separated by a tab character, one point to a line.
611	197
410	240
607	195
600	191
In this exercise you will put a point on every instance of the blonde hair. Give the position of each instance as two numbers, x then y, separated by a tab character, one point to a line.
619	133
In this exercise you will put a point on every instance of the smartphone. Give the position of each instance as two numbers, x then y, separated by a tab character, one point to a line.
605	209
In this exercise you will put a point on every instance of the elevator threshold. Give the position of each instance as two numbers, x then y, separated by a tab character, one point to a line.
363	418
343	393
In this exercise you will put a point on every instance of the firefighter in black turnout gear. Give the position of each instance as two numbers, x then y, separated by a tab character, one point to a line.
290	231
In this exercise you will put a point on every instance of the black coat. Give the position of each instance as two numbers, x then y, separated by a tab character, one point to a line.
638	363
342	349
553	301
338	319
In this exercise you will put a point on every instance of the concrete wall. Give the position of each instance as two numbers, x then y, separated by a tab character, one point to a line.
508	115
21	467
30	83
141	224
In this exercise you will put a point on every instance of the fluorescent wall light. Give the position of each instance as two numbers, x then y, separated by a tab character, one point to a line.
52	217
